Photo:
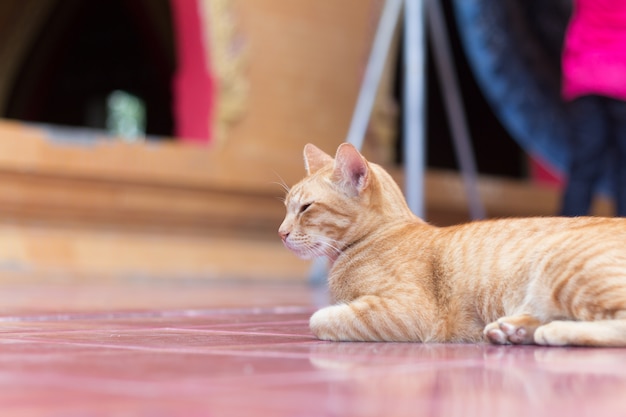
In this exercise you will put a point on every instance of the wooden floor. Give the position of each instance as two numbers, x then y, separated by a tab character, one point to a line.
149	347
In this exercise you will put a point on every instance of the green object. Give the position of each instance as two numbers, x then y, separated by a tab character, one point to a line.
126	116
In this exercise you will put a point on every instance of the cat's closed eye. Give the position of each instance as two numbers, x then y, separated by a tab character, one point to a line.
304	207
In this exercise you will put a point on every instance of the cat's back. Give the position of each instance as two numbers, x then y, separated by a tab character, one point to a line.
520	238
536	229
513	250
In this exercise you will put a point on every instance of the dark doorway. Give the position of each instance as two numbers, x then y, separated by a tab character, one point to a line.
88	49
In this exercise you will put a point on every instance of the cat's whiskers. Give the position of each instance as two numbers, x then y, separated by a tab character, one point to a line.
334	249
334	246
326	241
281	183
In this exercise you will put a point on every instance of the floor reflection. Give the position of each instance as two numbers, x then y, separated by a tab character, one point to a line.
472	380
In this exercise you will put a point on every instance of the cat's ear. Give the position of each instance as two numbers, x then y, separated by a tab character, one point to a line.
315	158
351	169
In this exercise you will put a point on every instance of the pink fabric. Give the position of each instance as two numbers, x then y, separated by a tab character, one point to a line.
193	85
594	55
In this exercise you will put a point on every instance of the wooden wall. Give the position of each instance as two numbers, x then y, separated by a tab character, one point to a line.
147	209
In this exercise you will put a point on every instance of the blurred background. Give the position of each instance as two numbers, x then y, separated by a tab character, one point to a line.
147	137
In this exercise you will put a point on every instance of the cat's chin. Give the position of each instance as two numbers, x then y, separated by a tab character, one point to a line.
305	253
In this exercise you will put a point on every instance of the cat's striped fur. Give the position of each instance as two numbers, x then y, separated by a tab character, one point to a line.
550	281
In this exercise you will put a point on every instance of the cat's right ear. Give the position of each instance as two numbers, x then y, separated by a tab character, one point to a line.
315	158
351	169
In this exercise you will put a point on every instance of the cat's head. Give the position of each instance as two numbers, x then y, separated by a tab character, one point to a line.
340	201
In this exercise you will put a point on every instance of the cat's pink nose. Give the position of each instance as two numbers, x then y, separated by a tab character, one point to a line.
283	234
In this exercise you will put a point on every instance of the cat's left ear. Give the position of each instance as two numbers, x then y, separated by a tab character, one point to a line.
315	158
351	169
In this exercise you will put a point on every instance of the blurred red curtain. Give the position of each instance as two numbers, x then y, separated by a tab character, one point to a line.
193	82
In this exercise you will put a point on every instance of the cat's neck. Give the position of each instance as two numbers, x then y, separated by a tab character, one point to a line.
380	232
393	207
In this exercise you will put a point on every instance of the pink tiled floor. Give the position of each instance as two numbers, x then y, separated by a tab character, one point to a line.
202	349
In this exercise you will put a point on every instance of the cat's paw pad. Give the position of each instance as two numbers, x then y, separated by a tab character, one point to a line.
495	335
515	330
505	334
516	335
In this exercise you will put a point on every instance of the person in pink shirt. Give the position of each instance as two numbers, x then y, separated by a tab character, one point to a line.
594	85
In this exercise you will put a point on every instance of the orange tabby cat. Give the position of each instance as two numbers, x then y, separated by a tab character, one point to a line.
549	281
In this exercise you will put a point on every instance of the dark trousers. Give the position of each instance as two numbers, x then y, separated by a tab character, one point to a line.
599	135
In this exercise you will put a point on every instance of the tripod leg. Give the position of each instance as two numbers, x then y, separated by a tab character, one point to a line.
454	106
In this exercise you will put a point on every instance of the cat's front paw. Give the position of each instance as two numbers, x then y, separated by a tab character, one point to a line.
495	335
516	330
324	323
